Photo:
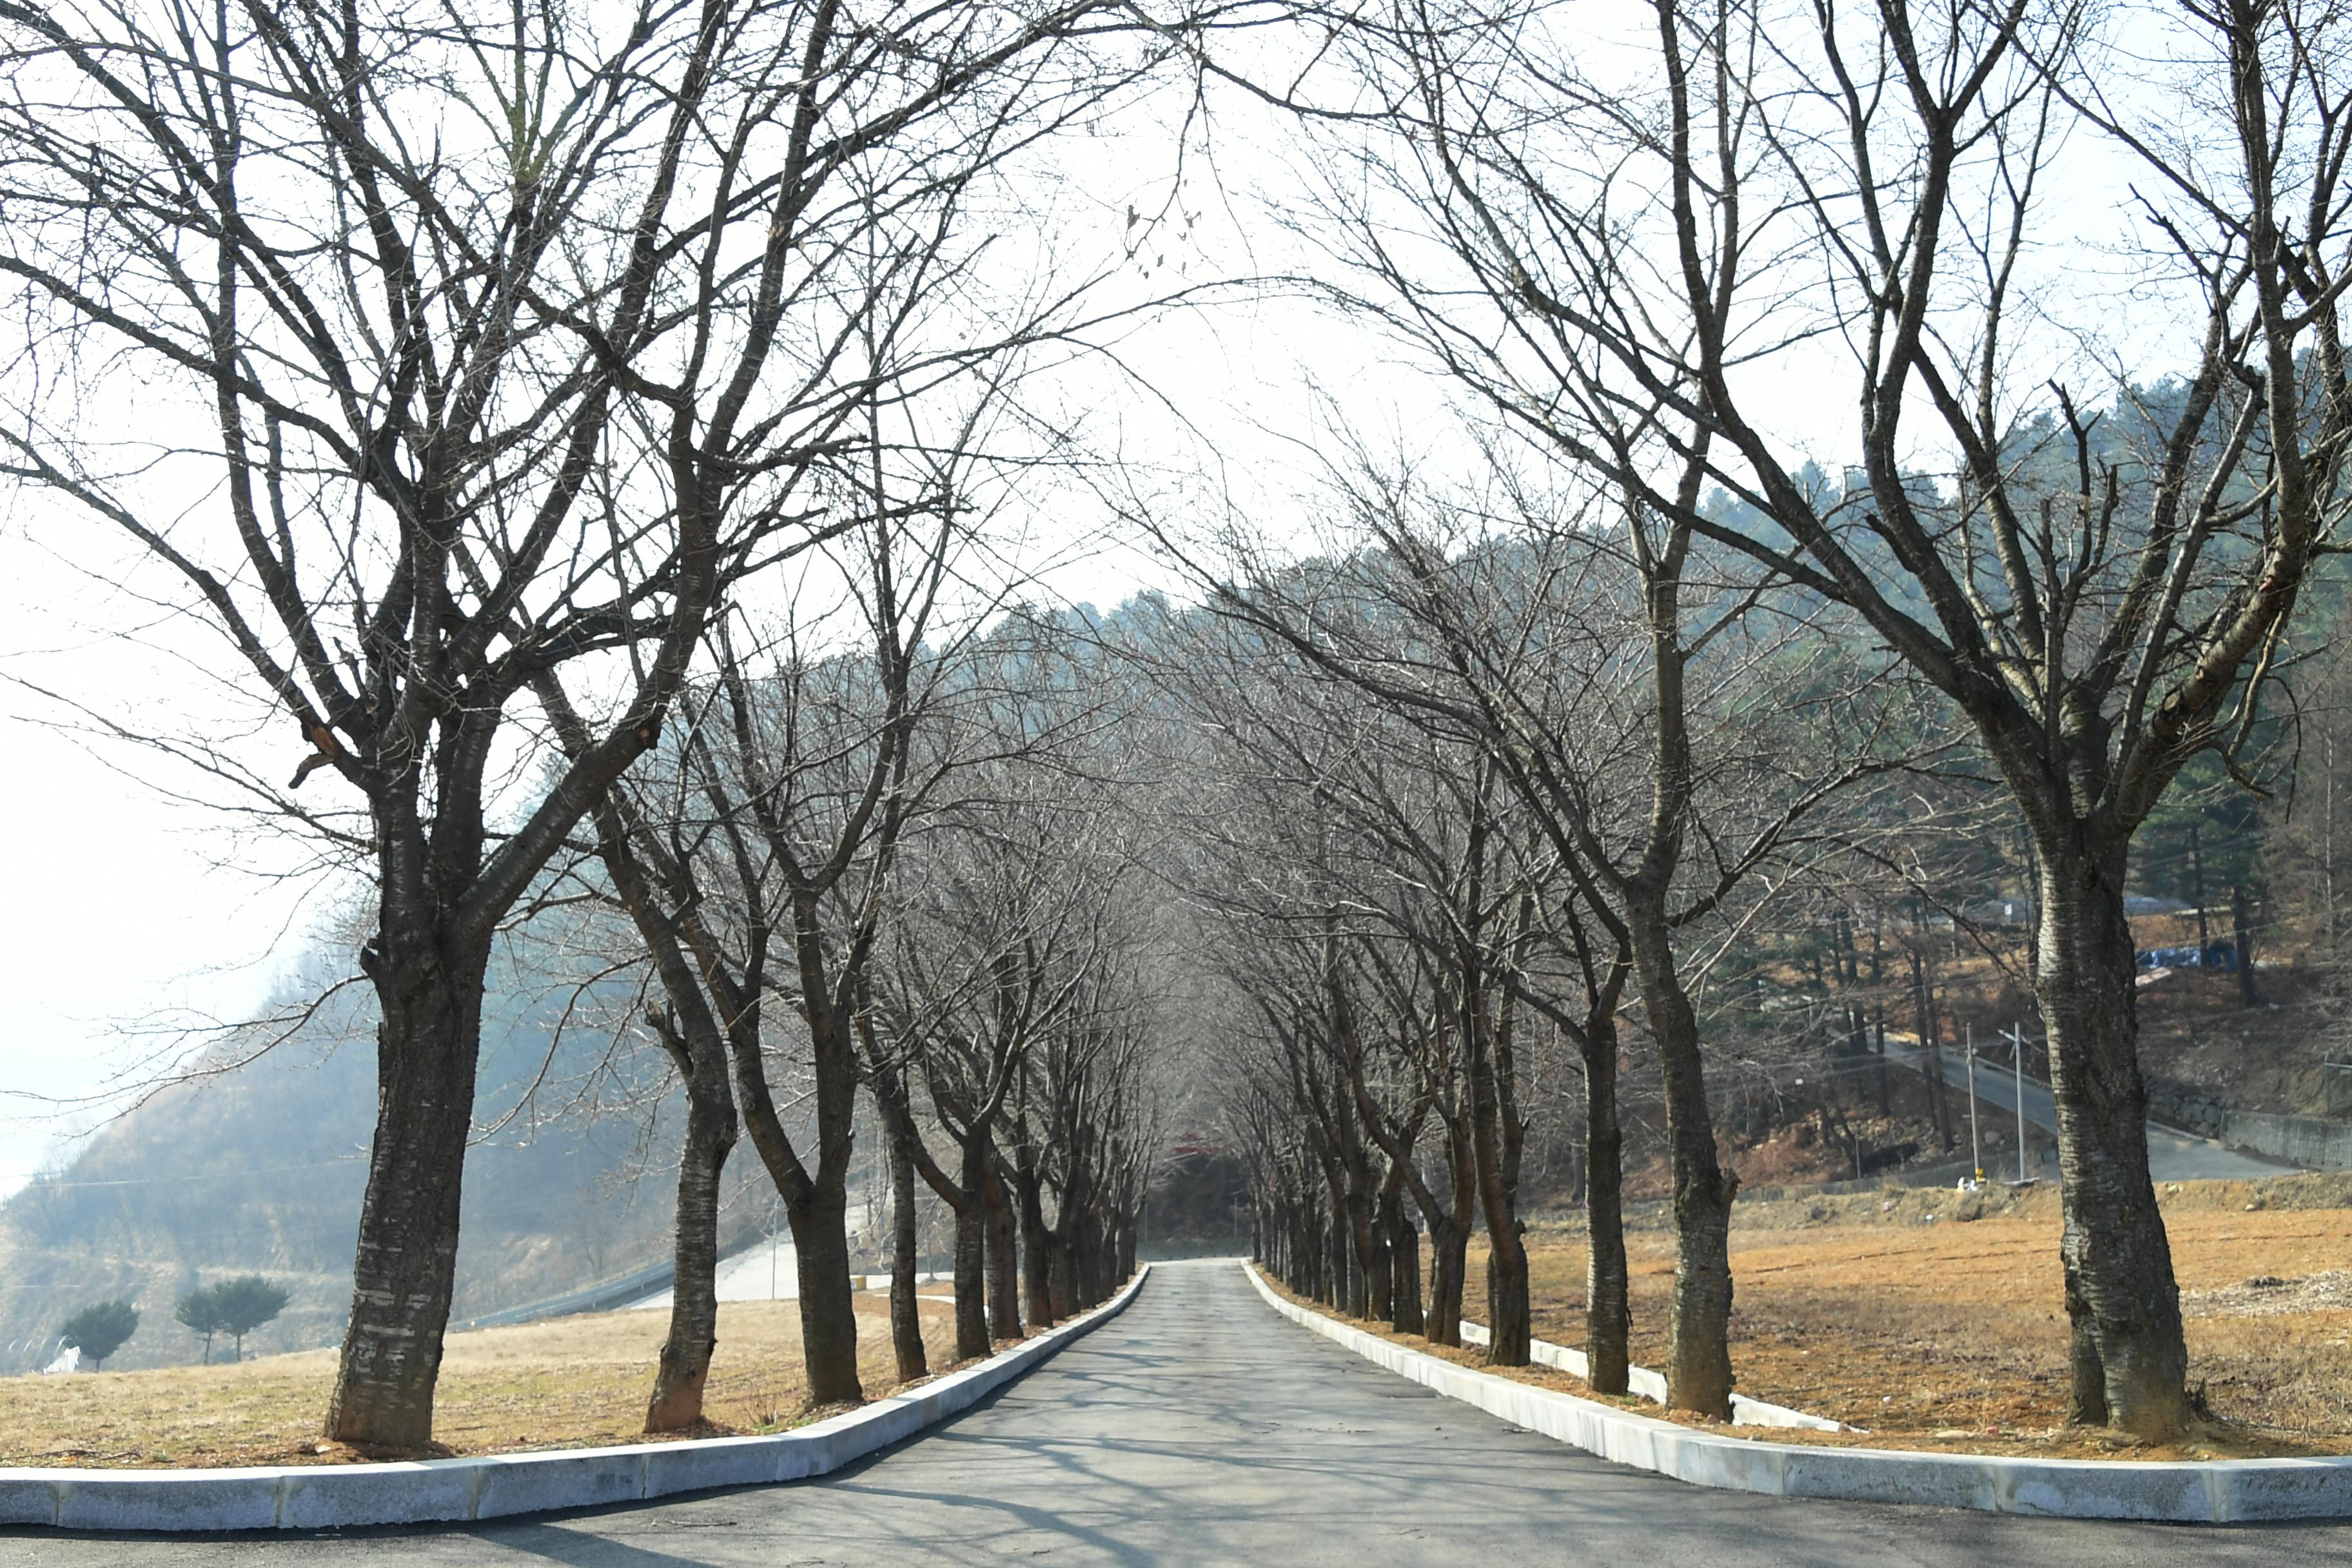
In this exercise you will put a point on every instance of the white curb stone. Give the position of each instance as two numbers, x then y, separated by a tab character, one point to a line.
322	1497
1651	1385
2195	1492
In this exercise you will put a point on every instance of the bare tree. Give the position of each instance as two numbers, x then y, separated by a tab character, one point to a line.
1637	257
500	340
1607	676
415	333
756	857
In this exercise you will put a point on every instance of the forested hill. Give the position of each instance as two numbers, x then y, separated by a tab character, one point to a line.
261	1169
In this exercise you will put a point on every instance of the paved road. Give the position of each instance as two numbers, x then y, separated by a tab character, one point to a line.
770	1272
1199	1427
2171	1156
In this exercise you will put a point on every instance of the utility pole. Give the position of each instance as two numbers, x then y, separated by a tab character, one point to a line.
1976	1145
2017	1041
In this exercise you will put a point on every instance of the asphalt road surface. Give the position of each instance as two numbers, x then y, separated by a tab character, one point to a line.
2172	1156
1199	1427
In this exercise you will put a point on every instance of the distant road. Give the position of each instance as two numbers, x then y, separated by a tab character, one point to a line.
2172	1156
767	1270
1201	1429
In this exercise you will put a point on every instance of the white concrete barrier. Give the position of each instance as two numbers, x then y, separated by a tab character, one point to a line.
317	1496
1651	1385
2203	1492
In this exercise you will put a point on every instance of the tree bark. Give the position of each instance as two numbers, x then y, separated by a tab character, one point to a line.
427	1046
1405	1249
1698	1325
1061	1279
970	1258
816	1205
1029	1191
906	1314
2129	1358
1449	1268
684	1367
1509	1310
1003	1258
828	1309
1608	1313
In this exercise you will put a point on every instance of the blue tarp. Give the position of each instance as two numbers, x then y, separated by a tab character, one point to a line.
2220	955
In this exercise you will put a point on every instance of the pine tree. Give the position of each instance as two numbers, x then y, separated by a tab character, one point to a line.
200	1311
245	1303
99	1330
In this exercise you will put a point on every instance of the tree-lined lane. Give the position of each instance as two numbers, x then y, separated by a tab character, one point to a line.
1198	1428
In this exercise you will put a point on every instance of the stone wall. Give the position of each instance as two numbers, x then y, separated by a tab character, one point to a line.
2312	1142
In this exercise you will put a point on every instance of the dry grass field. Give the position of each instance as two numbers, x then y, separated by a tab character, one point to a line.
1933	1318
567	1383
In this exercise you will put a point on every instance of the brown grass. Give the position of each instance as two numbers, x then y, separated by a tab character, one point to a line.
1950	1332
568	1382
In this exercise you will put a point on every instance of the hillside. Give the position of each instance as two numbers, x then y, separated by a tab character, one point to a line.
261	1169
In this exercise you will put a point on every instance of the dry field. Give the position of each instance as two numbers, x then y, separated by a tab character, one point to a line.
568	1382
1948	1332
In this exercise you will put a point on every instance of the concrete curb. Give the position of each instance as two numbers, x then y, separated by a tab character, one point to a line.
2212	1491
319	1497
1651	1385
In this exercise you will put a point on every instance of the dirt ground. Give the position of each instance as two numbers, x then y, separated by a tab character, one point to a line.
1934	1318
567	1383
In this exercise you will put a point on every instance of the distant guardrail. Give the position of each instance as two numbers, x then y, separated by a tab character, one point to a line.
604	1296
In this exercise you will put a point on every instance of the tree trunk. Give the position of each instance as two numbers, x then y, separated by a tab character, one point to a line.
1003	1258
2130	1362
427	1046
685	1364
1449	1266
1404	1285
970	1256
1094	1262
1607	1314
1036	1282
828	1309
1061	1277
1374	1268
1510	1314
906	1314
1699	1325
1509	1310
817	1204
1345	1292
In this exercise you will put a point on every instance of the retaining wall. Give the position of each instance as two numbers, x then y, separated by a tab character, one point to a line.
2191	1492
314	1497
2306	1140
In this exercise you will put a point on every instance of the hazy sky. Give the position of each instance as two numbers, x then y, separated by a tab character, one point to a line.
131	911
137	909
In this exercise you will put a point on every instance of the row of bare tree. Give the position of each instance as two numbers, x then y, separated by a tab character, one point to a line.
2079	517
478	377
887	871
460	371
1428	834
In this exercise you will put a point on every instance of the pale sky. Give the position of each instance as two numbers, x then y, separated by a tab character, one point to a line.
131	911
